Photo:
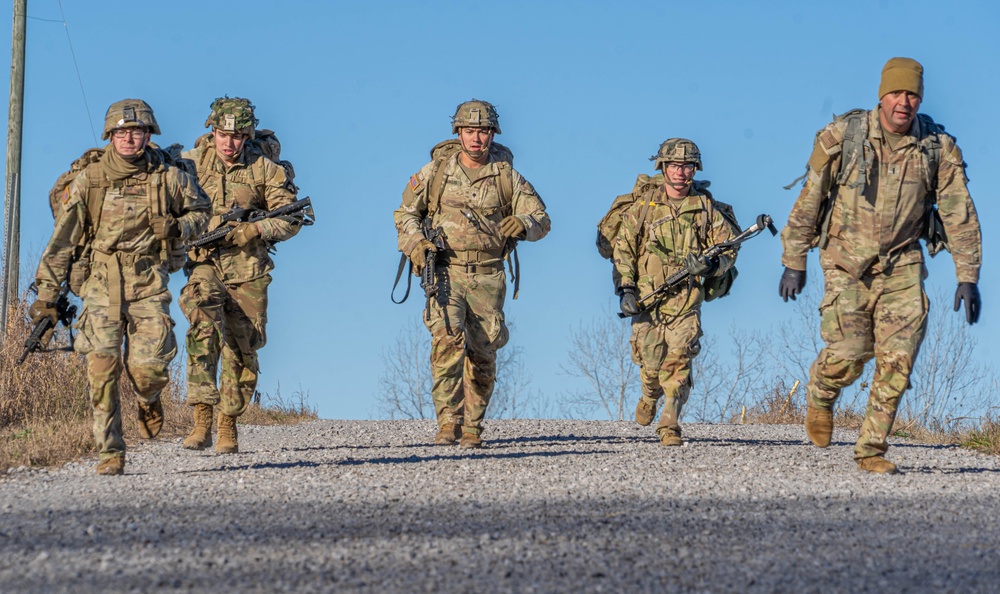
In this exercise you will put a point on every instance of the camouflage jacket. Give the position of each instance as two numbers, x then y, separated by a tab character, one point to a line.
469	210
123	224
255	182
877	225
671	229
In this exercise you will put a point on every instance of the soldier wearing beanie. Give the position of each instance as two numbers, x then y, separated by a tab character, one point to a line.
877	183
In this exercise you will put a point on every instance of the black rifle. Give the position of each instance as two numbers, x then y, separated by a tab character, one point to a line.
763	222
428	283
65	314
238	215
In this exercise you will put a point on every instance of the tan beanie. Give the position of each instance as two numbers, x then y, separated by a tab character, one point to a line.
902	74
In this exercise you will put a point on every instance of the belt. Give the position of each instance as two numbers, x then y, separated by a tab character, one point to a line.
474	268
473	261
113	265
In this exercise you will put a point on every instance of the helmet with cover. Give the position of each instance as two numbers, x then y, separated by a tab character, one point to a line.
677	150
475	114
232	115
129	113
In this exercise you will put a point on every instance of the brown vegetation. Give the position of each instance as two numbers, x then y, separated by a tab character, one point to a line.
45	412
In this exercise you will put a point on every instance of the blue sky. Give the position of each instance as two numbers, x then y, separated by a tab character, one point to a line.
358	92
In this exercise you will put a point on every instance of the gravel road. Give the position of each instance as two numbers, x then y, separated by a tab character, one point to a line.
548	506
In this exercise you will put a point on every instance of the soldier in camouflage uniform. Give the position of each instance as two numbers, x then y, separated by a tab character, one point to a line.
868	197
119	218
665	231
480	225
225	299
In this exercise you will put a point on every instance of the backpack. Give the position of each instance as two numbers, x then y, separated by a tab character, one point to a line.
173	251
263	143
858	154
607	229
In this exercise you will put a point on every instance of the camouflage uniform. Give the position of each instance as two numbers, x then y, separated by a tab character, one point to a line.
466	320
873	264
666	338
126	297
225	299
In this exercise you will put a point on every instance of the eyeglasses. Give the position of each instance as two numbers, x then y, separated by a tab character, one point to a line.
135	133
685	167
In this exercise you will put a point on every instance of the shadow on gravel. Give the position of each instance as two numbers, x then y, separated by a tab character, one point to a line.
930	470
729	441
549	439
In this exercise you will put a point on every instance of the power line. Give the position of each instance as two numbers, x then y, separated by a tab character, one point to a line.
79	78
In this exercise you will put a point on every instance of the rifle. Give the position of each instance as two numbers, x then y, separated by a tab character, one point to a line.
65	313
763	222
435	235
238	215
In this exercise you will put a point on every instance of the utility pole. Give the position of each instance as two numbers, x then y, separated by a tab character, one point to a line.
12	201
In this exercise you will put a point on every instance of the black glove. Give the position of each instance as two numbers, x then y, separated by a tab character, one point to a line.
969	293
792	282
165	227
700	265
628	304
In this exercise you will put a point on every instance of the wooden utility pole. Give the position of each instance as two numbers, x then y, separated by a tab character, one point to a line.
12	201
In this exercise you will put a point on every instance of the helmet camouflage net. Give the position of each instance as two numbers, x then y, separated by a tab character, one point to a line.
129	113
677	150
475	114
232	115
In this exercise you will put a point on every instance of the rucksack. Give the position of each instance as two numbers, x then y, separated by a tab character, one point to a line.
858	154
610	223
172	252
265	143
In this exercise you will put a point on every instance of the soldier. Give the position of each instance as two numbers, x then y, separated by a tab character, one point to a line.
482	207
869	195
664	231
225	299
121	219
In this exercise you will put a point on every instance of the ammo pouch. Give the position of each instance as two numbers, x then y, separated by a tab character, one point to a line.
934	233
719	286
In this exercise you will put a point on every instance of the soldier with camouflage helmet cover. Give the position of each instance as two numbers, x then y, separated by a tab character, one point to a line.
225	299
482	207
118	218
877	181
665	231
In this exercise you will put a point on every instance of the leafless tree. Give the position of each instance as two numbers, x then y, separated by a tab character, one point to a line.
405	382
727	377
600	354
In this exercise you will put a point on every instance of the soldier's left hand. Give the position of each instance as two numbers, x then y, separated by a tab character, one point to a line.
243	234
513	227
165	227
700	265
969	293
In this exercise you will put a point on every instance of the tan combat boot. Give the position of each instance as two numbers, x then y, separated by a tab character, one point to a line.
877	465
150	419
645	411
819	425
201	435
448	434
226	443
470	441
111	466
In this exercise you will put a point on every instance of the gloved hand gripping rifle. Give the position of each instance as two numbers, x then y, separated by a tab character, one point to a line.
763	222
65	312
238	215
428	283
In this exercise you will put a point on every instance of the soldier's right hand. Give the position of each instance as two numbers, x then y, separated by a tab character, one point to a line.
165	227
628	303
418	255
792	283
40	310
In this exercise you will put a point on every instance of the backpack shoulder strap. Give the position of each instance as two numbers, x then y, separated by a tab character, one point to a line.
856	149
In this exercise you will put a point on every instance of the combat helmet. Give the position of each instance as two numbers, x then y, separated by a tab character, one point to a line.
677	150
232	115
129	113
475	114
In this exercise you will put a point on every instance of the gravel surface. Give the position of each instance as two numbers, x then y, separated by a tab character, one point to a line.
547	506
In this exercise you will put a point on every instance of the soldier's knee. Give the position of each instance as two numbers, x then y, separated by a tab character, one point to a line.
102	366
149	377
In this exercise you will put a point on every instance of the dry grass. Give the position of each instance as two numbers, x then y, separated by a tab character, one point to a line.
45	413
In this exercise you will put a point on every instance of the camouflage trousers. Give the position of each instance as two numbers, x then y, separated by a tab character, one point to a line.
664	349
227	322
116	316
467	329
879	315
